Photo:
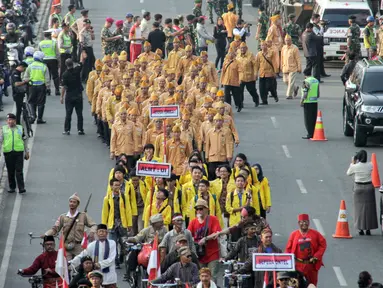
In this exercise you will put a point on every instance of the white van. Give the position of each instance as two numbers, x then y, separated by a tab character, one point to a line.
337	13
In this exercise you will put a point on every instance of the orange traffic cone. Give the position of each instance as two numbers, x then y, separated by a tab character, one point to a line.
375	171
342	230
319	130
54	3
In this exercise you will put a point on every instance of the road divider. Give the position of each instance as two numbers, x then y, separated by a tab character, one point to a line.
301	186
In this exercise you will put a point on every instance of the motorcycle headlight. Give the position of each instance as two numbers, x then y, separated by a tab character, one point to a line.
369	109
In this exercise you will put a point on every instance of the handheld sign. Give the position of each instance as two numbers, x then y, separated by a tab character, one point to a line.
166	111
153	169
273	262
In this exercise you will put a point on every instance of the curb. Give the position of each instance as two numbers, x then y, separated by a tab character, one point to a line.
42	15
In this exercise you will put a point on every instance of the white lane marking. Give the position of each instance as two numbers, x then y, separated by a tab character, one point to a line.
141	1
286	150
301	186
143	11
13	224
319	226
274	120
339	275
247	4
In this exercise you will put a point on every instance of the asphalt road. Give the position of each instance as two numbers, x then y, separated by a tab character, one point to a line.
305	177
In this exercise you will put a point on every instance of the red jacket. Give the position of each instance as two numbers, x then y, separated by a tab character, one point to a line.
43	261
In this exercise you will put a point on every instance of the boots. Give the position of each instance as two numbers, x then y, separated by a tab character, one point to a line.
41	109
57	86
32	107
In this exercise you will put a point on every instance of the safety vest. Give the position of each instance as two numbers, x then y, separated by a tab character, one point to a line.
29	60
312	94
371	38
59	17
66	44
71	17
13	139
48	46
37	73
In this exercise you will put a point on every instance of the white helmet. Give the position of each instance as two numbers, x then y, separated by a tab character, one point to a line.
38	56
29	51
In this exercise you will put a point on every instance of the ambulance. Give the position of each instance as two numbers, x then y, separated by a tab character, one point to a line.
336	14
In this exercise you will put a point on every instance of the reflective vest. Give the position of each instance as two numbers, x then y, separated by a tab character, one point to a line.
37	73
59	17
312	94
66	44
371	38
29	60
13	139
71	17
48	46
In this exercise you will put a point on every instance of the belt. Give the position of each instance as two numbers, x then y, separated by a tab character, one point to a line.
36	83
303	261
363	183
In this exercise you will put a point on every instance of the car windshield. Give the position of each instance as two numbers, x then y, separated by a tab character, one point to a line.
372	82
339	17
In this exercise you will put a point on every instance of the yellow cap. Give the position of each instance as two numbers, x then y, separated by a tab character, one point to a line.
147	44
202	80
220	93
123	53
114	82
220	105
105	67
212	111
237	37
213	89
218	117
188	48
159	51
136	62
203	53
137	75
287	37
118	90
125	76
180	88
114	55
98	62
230	6
123	57
208	100
143	59
176	40
170	85
243	44
170	101
275	18
106	58
122	109
133	112
176	129
130	66
153	97
99	67
144	84
189	100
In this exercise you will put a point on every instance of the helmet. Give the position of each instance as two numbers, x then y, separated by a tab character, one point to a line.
370	19
10	26
29	51
38	56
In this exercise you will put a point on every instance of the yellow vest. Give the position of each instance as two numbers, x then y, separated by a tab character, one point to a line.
107	216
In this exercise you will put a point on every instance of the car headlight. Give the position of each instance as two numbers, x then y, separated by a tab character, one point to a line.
326	41
369	109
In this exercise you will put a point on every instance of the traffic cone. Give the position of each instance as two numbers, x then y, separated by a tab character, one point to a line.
54	2
319	130
375	171
342	230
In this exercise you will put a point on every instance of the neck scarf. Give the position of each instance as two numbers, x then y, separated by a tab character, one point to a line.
106	253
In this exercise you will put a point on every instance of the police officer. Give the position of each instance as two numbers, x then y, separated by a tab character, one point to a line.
309	102
353	35
56	14
19	88
65	47
38	77
70	19
28	53
293	29
369	36
49	47
14	144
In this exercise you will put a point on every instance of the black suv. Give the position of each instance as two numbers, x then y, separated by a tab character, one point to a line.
363	101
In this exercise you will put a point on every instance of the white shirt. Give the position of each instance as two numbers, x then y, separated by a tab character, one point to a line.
241	32
145	28
362	172
70	215
111	276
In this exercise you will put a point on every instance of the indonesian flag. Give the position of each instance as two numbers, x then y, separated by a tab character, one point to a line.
154	267
84	241
265	279
62	264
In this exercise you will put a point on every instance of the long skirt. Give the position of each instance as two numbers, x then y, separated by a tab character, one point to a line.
365	216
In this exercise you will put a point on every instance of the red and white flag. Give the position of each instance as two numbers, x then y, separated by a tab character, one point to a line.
265	279
154	265
62	264
84	241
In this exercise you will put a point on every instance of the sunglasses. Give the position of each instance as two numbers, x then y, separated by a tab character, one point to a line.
188	256
199	209
160	198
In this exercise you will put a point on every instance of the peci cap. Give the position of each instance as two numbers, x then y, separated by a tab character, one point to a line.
303	217
49	238
84	12
352	17
283	275
102	227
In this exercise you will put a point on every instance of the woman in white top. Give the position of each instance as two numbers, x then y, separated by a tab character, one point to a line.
365	216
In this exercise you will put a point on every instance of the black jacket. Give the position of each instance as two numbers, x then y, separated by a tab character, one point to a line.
219	35
310	43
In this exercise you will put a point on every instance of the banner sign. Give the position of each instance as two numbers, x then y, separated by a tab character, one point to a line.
167	111
273	262
153	169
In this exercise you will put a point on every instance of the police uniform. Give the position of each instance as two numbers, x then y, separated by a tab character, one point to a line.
38	76
70	19
76	233
49	47
55	15
65	48
309	101
14	144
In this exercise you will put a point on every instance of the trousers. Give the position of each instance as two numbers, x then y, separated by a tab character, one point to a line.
250	86
53	67
14	161
70	104
236	91
36	100
310	111
266	85
312	66
289	79
63	57
221	52
18	98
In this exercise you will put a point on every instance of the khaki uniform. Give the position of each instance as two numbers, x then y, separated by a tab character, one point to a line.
111	110
247	63
151	135
211	73
64	222
149	55
123	138
91	84
274	34
139	131
205	127
177	153
174	58
228	109
184	65
230	21
190	135
291	65
218	148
